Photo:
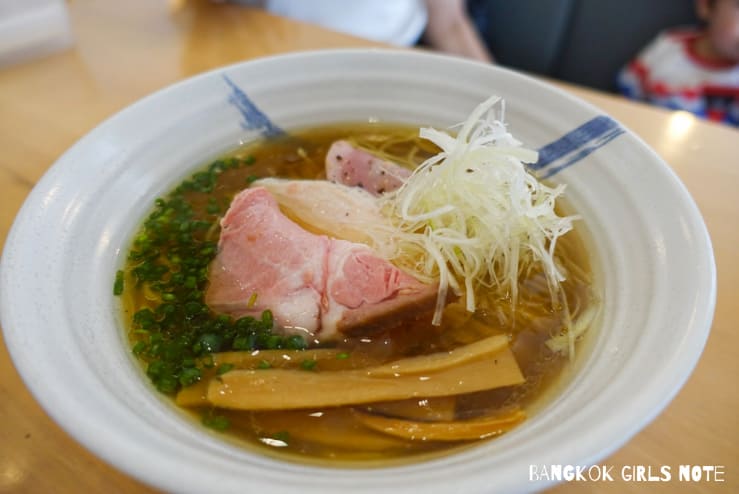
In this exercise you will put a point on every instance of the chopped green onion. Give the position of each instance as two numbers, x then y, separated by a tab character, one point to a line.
216	422
118	284
296	342
223	368
308	364
190	376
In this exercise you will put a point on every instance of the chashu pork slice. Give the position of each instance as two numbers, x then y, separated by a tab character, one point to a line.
313	284
334	210
348	165
329	208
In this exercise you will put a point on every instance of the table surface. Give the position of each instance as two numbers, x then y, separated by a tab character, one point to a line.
125	50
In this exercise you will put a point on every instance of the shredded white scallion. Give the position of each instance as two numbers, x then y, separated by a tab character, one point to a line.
472	215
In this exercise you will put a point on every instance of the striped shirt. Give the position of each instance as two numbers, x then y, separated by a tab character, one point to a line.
669	73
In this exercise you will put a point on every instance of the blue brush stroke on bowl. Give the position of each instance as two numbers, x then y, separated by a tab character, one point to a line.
576	145
254	118
553	157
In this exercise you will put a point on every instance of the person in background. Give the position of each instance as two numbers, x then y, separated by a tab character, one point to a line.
443	25
696	70
451	30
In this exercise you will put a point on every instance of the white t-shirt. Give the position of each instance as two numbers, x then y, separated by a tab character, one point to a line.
398	22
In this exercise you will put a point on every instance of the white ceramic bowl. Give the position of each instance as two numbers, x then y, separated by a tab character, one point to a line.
62	325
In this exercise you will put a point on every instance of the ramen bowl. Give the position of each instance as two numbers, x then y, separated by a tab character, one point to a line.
651	254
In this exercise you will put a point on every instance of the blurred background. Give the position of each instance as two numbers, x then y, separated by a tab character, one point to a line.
584	42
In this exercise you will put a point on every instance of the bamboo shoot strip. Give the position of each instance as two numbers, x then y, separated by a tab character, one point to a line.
457	430
326	358
320	428
194	395
273	358
278	389
436	362
425	409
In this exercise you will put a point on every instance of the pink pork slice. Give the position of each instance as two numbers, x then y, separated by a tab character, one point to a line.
352	166
313	284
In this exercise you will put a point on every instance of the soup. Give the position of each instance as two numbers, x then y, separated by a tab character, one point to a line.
188	349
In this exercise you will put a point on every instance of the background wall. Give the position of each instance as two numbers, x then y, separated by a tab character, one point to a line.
581	41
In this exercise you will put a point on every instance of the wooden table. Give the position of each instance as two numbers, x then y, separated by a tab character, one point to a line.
125	50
